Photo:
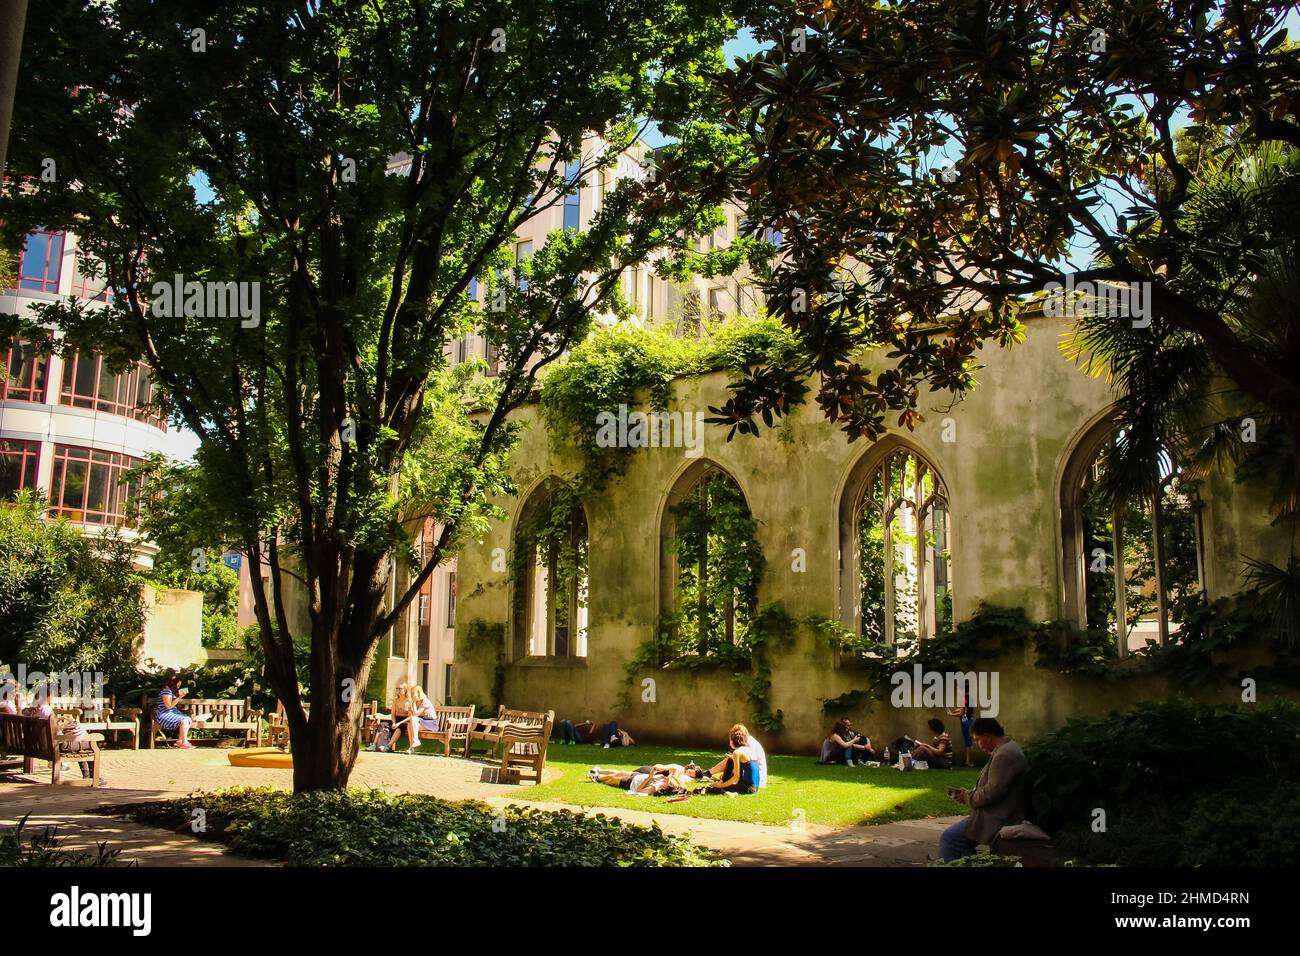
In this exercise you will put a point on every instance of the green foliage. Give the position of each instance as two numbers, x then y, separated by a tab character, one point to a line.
484	644
42	849
331	422
990	632
631	365
373	828
219	584
979	860
68	601
1163	772
961	160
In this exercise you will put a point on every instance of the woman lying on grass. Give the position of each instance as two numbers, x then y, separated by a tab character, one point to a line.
661	779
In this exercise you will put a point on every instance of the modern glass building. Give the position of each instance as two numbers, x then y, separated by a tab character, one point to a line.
69	426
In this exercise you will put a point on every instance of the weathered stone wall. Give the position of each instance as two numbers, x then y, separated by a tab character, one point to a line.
1013	434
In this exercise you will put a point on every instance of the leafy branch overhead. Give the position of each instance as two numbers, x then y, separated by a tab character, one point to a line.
932	166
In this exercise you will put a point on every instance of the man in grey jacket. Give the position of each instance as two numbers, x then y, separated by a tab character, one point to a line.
997	800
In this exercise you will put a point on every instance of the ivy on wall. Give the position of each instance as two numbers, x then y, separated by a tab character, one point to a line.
992	632
617	365
551	532
771	628
485	642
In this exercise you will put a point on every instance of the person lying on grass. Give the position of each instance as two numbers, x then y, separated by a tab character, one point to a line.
661	779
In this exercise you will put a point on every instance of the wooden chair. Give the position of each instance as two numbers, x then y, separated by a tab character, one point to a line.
453	726
523	747
37	738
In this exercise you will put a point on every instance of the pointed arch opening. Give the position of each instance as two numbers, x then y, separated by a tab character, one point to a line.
710	566
895	548
1132	543
550	575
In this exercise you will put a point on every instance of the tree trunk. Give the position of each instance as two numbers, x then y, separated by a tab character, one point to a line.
325	752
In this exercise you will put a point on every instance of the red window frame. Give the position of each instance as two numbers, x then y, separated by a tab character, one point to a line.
36	381
29	278
117	502
26	454
124	392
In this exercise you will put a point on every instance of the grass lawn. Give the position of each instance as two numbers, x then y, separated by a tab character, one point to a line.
833	795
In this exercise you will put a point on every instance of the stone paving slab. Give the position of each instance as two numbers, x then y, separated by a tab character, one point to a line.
137	775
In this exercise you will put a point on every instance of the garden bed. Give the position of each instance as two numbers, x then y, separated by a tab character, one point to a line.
371	828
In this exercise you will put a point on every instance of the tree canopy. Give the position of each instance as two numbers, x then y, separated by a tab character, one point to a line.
252	143
935	166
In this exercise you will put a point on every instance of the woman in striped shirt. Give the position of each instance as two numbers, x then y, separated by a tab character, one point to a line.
939	753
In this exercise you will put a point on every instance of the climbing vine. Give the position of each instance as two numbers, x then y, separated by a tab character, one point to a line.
719	565
487	641
770	628
626	365
552	533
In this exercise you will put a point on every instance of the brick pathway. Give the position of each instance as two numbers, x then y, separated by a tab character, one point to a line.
136	775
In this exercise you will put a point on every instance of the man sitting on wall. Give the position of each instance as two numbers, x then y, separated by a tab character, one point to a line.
997	800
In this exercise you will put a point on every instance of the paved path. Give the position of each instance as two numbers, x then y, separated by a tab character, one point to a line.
133	775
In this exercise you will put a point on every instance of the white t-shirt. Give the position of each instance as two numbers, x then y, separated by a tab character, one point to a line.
754	750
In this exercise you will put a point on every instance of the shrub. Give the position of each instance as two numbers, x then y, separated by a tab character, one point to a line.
1181	784
1159	754
372	828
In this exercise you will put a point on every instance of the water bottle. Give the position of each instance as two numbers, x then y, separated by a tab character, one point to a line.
886	755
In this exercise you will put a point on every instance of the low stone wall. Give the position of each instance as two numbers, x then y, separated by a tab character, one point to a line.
696	708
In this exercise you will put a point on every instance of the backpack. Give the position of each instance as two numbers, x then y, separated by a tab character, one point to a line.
382	737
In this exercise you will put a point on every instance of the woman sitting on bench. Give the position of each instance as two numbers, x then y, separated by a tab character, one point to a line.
166	715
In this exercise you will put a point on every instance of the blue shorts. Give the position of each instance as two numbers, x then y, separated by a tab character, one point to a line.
965	730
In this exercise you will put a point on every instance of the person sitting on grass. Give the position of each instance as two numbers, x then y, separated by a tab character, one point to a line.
571	733
845	745
168	716
939	753
756	754
735	772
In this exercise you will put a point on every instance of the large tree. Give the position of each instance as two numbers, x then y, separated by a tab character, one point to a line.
248	142
934	165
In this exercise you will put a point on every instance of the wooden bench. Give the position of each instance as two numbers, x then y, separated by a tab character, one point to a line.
236	715
515	723
523	745
278	723
453	726
37	738
102	715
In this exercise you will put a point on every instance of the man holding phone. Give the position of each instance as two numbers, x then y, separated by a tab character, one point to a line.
998	798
